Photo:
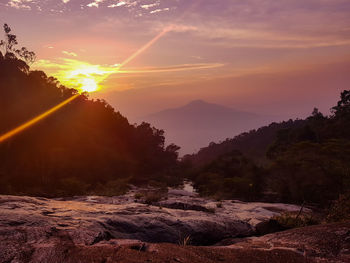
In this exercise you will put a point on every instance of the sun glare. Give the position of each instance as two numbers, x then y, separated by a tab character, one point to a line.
89	85
86	77
83	76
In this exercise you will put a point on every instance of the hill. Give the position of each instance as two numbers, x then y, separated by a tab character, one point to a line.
198	123
296	161
85	147
254	143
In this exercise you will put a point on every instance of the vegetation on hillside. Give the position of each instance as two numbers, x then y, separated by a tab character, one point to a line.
253	143
229	176
85	147
304	160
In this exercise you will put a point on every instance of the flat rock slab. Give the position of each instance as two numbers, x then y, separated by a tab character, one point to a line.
322	243
38	228
91	219
325	243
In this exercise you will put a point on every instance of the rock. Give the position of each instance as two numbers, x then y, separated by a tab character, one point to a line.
183	206
78	228
91	220
322	243
269	226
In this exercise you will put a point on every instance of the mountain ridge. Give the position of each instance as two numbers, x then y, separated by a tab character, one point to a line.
197	123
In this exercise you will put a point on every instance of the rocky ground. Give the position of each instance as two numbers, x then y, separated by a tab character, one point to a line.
125	229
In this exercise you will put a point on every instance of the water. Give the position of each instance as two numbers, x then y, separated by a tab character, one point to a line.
188	186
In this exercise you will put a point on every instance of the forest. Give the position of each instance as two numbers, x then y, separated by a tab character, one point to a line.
84	148
295	161
87	147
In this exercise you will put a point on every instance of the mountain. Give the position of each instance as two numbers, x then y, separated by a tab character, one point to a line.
198	123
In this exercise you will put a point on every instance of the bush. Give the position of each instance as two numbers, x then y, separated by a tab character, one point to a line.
72	186
219	205
112	188
340	211
293	220
230	176
185	241
138	195
153	197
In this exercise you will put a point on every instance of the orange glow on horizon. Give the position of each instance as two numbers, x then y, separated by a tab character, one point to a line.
36	119
87	83
86	77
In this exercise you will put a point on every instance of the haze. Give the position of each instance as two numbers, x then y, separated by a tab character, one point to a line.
262	56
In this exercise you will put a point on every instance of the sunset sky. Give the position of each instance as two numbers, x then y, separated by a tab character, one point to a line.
265	56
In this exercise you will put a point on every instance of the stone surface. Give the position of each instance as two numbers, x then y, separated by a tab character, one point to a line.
322	243
101	229
90	219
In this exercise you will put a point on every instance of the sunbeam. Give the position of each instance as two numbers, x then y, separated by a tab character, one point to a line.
88	85
145	47
36	119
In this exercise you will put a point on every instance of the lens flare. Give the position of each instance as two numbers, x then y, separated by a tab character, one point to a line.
87	78
145	47
36	119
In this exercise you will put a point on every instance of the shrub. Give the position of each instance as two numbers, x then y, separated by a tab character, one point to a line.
138	195
292	220
340	210
72	186
153	197
211	210
185	241
112	188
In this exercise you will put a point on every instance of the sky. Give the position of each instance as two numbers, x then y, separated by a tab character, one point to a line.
264	56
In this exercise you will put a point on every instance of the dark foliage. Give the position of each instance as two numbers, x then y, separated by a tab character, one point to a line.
85	147
229	176
303	160
340	210
253	144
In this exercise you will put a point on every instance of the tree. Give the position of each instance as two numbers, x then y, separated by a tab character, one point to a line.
343	106
85	147
312	172
10	50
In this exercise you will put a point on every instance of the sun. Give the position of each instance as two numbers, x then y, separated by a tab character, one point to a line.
87	77
83	76
89	85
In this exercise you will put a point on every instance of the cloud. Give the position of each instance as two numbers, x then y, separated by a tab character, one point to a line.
71	72
159	10
117	5
182	67
65	1
267	38
148	6
96	3
69	53
20	4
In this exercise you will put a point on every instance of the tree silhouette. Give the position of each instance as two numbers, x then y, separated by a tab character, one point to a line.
343	106
85	147
10	50
307	160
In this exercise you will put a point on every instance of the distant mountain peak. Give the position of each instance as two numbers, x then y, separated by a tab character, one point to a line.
203	105
197	102
199	122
